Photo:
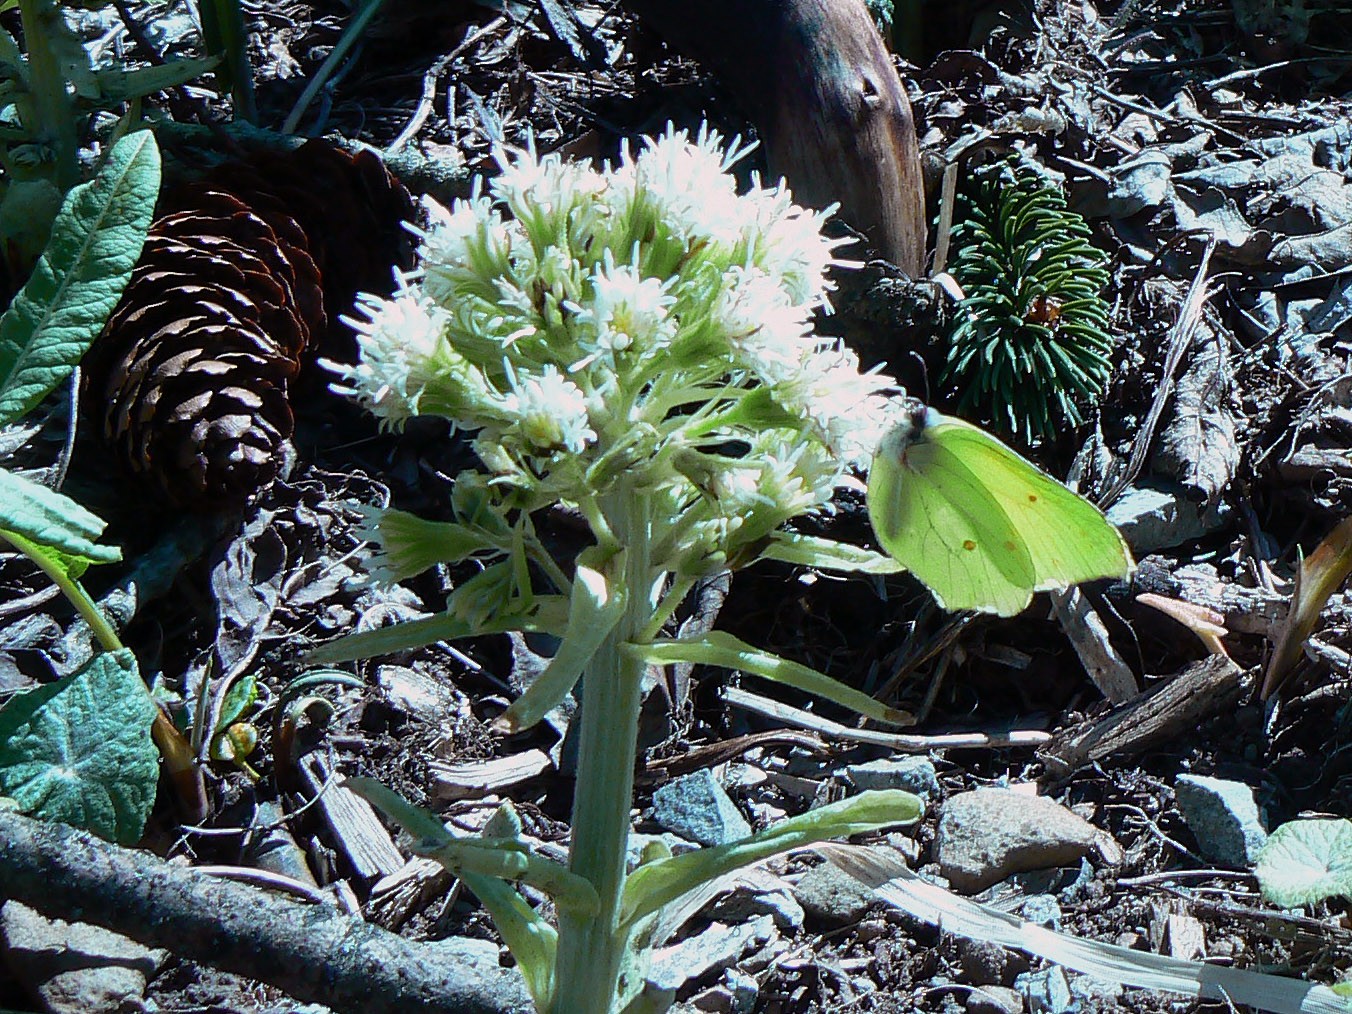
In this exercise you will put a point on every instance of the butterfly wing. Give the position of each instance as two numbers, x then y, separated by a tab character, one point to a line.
934	512
1067	538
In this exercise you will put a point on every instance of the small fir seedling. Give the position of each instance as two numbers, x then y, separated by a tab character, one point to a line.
1031	344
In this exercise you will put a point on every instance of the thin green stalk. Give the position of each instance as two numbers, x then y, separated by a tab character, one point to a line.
52	106
179	757
54	568
674	596
591	951
350	37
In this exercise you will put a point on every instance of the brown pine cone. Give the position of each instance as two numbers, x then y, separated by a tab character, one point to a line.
242	276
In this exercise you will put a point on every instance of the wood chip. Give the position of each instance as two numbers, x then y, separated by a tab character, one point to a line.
397	898
477	779
354	823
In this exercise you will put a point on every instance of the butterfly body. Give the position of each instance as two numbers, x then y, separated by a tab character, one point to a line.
981	526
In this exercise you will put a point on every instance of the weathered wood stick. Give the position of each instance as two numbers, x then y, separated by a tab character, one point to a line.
313	952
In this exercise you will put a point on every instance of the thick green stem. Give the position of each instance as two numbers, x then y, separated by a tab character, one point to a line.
591	951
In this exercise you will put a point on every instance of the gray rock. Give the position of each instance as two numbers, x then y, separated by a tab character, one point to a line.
696	807
744	989
911	773
1099	993
638	842
832	895
759	893
1223	817
1043	910
987	964
74	968
988	834
1047	991
994	1000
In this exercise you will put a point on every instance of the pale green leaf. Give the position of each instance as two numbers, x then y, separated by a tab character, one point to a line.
827	554
117	84
546	617
664	880
1306	861
52	522
594	610
722	649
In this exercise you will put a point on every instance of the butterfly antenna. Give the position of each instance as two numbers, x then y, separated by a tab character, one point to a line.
924	374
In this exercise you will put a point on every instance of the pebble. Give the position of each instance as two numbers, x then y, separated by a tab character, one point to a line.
696	807
1043	910
1099	993
716	948
1223	817
759	893
988	964
832	895
1047	991
910	773
986	835
994	1000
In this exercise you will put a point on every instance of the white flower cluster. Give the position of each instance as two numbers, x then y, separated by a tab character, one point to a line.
644	323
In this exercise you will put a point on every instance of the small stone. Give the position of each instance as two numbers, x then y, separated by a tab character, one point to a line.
832	895
696	807
638	842
1223	817
74	967
715	949
910	773
994	1000
714	1000
1043	910
986	835
1099	993
987	964
1046	992
759	893
744	989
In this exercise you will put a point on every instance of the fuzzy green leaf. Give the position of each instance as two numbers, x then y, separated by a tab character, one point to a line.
95	242
79	750
1306	861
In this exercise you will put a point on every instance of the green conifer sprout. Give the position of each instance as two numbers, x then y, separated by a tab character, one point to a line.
1030	347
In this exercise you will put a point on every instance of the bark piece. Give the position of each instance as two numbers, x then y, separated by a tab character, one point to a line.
817	81
1160	716
312	952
